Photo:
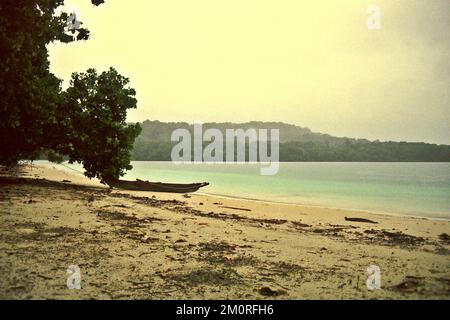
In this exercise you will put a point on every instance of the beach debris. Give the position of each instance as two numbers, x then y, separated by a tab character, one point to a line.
225	216
224	253
360	220
150	201
235	208
342	226
112	215
218	246
186	195
67	181
148	239
120	206
206	276
124	220
44	276
395	238
444	238
269	292
444	281
410	284
317	230
299	224
285	267
271	221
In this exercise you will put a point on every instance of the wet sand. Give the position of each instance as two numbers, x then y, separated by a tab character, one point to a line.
143	245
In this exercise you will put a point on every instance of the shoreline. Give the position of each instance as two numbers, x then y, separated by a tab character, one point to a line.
78	178
374	212
320	206
145	245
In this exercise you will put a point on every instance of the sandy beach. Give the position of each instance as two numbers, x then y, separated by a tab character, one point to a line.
143	245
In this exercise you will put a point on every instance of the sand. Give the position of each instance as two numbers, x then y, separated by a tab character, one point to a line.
143	245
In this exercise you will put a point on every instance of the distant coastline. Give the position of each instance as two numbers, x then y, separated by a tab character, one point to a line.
296	144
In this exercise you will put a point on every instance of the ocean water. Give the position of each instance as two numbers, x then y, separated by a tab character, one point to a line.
417	189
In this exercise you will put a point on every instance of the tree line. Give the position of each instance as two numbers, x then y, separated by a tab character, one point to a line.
296	144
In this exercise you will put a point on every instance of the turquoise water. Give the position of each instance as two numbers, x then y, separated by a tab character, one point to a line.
419	189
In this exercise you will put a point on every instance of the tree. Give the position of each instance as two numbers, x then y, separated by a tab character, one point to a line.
91	123
37	116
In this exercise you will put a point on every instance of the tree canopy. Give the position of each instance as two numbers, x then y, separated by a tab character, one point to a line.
296	144
85	123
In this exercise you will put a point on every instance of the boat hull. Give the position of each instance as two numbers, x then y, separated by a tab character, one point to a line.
140	185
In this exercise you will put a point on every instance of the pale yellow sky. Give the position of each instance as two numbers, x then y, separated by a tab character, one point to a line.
311	63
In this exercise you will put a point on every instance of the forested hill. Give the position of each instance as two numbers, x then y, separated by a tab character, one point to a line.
296	144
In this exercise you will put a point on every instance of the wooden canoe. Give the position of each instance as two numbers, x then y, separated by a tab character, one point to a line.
140	185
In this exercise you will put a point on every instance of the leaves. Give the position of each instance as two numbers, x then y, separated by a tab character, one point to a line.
85	123
97	2
96	106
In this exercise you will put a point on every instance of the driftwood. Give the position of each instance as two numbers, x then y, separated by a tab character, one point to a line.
235	208
360	220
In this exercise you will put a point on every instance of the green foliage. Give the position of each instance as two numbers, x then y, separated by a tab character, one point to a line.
92	121
29	92
296	144
37	117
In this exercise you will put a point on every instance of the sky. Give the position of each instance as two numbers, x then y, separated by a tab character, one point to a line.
311	63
